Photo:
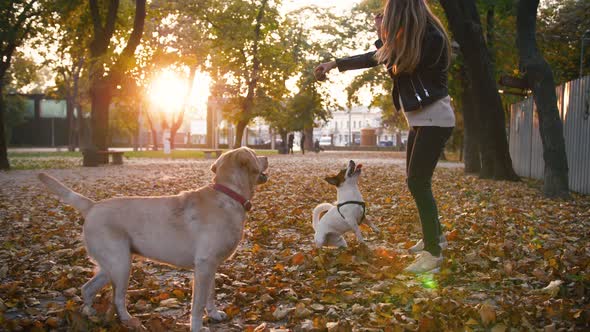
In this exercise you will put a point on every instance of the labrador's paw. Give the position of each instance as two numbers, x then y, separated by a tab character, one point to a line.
134	324
217	315
88	311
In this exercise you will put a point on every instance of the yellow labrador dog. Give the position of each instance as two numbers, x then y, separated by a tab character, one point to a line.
195	229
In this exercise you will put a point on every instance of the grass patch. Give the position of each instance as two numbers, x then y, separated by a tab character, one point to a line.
66	159
175	154
181	154
44	163
56	154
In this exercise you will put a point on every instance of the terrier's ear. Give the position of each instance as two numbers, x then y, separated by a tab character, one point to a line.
332	180
338	179
214	167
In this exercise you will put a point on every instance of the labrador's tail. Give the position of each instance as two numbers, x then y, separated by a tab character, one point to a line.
81	203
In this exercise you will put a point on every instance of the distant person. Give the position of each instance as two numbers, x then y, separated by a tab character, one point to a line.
302	143
415	48
316	146
291	140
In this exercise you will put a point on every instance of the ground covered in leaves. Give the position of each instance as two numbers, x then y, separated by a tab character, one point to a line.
516	261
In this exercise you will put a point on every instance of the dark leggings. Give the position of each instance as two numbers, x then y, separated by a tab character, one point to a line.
425	145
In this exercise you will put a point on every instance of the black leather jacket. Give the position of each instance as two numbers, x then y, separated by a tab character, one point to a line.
425	85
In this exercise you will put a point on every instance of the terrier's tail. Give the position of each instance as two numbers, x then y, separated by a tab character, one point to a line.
81	203
318	211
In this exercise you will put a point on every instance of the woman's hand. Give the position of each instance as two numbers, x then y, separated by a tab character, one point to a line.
321	70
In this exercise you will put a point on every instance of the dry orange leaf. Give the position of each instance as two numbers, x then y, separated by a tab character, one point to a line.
298	259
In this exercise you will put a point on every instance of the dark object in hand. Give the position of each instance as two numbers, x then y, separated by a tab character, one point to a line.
320	75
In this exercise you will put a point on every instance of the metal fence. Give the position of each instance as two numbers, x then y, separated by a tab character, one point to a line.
526	149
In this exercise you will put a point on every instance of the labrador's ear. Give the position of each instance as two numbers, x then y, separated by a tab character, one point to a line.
217	163
263	162
247	158
214	167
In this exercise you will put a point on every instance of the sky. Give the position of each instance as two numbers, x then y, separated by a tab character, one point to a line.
289	5
337	81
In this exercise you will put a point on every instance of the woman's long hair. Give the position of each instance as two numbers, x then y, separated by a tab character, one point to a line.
403	28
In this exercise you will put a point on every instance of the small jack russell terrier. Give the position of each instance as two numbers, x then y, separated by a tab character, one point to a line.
347	215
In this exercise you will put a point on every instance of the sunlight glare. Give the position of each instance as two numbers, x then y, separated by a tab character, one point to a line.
167	91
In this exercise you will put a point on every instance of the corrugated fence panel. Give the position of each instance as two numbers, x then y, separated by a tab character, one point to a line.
526	149
520	137
514	139
577	123
570	127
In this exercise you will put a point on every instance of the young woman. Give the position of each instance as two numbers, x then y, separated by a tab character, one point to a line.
414	47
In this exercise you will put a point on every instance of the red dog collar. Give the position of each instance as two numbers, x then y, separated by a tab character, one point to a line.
237	197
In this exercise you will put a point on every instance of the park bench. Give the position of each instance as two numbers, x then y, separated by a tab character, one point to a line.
117	156
209	153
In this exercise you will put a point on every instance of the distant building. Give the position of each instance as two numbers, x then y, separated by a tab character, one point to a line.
45	123
344	128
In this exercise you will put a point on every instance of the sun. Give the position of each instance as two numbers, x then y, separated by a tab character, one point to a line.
167	91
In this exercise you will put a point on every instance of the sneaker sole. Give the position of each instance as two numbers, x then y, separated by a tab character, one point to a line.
436	270
415	251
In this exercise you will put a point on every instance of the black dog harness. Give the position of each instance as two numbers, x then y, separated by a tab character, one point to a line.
352	202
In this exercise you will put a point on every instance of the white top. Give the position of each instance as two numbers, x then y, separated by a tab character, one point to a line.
438	114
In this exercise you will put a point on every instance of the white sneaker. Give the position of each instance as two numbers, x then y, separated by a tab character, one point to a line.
425	262
420	245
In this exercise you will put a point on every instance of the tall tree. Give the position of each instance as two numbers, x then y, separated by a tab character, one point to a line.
539	77
103	83
466	28
248	55
471	143
18	22
69	28
192	41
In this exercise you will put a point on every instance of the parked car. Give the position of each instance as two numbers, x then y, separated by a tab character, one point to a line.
385	143
325	141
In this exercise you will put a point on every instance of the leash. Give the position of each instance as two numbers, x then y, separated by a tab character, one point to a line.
246	204
362	204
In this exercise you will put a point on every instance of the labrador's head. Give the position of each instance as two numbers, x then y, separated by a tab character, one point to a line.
241	164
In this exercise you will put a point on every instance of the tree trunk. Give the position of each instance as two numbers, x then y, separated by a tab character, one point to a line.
74	126
137	131
71	124
308	138
102	86
471	140
249	102
177	123
174	129
101	99
240	127
464	22
490	26
540	79
153	131
4	164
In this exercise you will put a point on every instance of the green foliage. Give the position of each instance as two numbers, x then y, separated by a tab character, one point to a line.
123	120
14	116
560	26
22	72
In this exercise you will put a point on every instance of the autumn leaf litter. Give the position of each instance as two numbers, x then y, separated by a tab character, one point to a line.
515	260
